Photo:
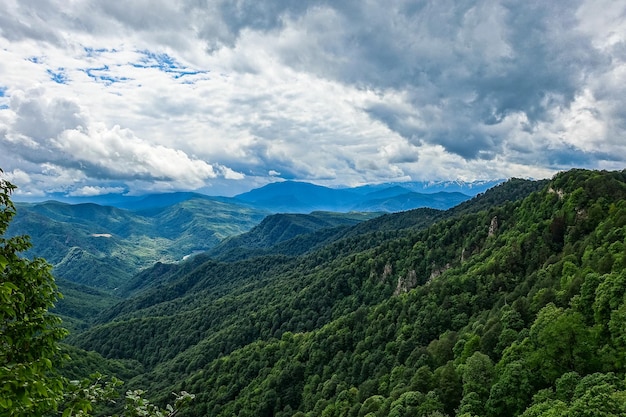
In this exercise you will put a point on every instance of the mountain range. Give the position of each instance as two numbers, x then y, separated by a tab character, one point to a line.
98	248
301	197
297	197
102	246
511	303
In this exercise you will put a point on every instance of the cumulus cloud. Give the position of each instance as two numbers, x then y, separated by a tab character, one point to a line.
222	94
57	132
91	190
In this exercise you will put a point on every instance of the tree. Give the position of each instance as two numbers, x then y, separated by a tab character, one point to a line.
29	341
477	375
29	334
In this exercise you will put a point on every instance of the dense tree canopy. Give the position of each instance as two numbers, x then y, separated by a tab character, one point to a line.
512	304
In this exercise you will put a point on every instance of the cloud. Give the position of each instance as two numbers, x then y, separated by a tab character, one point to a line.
461	67
220	95
90	191
38	117
57	131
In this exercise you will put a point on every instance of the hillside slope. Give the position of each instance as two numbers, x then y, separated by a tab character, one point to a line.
293	232
518	310
181	328
194	278
103	246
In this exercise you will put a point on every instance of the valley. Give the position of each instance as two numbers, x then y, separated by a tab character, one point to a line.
508	304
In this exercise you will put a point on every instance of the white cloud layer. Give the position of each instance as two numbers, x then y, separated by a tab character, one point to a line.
102	97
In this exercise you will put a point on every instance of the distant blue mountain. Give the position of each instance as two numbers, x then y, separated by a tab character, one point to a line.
388	192
411	200
299	197
152	201
302	197
428	187
157	201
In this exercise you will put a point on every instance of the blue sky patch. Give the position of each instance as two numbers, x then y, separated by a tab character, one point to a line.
101	74
35	59
59	76
185	73
92	52
3	95
165	63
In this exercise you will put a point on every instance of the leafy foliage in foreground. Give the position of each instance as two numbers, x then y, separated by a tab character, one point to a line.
29	335
30	352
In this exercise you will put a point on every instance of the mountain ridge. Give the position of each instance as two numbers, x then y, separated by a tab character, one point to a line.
294	196
303	197
512	309
417	220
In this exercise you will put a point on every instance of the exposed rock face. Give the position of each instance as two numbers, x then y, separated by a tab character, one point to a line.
407	283
438	271
387	271
493	227
559	193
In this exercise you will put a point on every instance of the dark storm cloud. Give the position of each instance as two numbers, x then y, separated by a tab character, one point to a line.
477	62
549	60
569	156
444	62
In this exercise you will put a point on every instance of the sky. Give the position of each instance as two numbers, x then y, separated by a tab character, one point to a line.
221	96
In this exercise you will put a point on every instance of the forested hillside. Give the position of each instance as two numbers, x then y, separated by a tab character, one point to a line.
103	246
225	292
514	310
288	234
511	304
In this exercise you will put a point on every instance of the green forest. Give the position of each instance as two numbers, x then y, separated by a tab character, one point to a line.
510	304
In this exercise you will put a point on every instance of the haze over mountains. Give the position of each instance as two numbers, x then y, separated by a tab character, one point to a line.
303	197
